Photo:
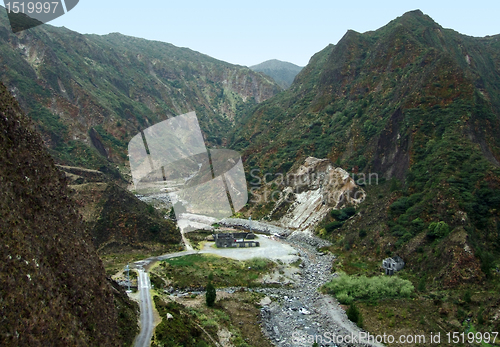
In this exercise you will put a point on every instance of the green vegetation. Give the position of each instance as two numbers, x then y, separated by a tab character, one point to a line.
191	271
282	72
355	315
434	145
129	220
339	217
197	237
197	325
182	330
348	288
211	294
343	214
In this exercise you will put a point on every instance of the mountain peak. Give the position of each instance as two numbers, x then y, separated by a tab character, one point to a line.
415	18
414	13
281	71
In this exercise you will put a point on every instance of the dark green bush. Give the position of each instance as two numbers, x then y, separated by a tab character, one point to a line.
349	211
338	215
422	284
333	225
398	230
354	315
399	206
343	214
467	296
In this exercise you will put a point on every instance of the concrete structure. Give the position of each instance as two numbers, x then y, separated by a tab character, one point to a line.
392	265
225	240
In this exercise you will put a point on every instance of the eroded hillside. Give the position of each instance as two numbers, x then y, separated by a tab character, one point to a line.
90	94
53	287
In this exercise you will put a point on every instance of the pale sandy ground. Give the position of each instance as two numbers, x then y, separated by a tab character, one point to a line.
269	248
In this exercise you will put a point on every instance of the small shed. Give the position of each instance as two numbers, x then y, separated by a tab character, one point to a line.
392	265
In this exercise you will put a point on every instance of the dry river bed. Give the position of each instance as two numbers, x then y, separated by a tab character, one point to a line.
299	313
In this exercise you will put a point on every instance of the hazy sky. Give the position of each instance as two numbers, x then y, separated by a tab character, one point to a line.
250	32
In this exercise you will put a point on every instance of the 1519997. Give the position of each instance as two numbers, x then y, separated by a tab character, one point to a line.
31	7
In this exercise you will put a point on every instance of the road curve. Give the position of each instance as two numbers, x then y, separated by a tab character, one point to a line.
144	285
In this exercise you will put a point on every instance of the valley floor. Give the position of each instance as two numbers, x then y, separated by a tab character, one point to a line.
293	311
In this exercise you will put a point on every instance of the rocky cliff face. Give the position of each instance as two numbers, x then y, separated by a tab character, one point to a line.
311	191
89	94
53	286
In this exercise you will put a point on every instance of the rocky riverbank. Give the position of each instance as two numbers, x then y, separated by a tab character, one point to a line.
296	314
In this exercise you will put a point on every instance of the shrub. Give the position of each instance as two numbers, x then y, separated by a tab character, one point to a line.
343	214
438	230
349	211
417	225
480	317
394	185
467	296
354	315
398	230
332	226
337	214
371	288
399	206
362	233
422	284
344	298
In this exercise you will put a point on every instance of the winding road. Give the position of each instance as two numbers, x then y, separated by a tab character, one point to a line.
144	285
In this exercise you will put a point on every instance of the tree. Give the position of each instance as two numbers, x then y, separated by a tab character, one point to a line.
171	215
211	294
394	184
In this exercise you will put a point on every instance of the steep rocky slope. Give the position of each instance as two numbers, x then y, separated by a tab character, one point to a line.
91	94
119	222
53	287
311	191
417	105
